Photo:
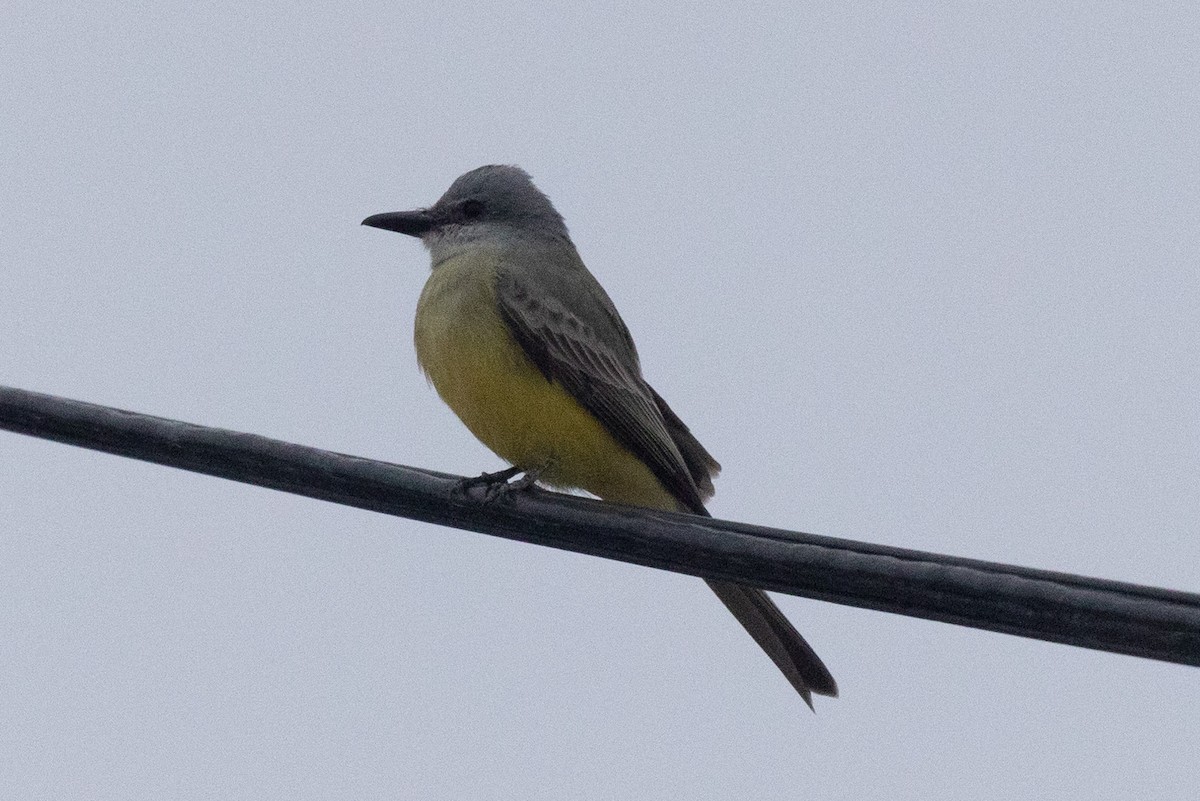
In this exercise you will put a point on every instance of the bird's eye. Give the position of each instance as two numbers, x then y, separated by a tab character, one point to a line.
471	209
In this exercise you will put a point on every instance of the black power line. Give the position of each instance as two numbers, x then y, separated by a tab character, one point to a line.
1059	607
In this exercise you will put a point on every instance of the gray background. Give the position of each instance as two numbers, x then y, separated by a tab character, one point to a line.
916	276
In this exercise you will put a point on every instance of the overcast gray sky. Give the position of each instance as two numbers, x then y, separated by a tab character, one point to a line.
916	276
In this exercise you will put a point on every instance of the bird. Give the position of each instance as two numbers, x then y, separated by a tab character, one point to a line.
521	341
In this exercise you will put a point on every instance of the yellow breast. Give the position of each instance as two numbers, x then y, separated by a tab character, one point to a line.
481	372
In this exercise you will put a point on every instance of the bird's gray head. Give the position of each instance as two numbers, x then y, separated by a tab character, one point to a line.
491	201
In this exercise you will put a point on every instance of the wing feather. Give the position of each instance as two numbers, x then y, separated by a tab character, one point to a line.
599	368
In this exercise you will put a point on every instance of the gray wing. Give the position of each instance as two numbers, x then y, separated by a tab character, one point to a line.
700	463
571	331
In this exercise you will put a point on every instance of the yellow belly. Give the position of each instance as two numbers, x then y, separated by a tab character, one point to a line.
480	371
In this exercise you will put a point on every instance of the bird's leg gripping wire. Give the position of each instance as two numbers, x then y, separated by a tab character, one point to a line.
498	485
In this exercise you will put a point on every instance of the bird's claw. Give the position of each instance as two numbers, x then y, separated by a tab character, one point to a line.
497	485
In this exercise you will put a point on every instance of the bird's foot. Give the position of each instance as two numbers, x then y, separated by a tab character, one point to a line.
489	479
497	485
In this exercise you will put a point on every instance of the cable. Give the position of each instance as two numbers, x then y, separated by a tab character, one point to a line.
1059	607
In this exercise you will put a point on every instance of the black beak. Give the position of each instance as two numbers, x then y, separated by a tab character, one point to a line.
413	223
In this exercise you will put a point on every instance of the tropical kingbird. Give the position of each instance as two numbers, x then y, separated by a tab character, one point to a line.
521	341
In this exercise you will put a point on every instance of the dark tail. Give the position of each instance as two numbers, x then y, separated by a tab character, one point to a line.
757	613
778	637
